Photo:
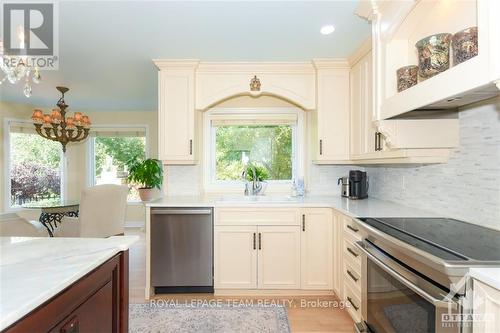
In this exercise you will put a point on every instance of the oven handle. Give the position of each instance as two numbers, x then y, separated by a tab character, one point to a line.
431	299
181	211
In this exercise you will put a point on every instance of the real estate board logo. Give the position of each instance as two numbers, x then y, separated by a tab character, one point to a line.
30	34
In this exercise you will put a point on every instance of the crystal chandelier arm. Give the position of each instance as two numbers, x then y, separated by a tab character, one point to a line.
45	135
76	137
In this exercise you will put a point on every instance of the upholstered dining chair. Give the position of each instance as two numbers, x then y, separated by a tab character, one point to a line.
102	213
14	225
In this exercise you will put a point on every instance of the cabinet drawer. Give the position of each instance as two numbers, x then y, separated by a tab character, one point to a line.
350	228
352	275
351	253
257	216
352	297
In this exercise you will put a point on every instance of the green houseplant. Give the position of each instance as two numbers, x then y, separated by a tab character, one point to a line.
148	174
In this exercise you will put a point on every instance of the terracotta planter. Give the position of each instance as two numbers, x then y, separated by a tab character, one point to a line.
146	194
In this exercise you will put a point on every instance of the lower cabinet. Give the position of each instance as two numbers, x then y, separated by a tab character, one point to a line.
317	249
278	257
257	257
97	302
297	253
235	257
486	308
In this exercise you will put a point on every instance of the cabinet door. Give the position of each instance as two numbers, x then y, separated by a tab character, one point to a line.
279	257
332	114
486	302
362	127
235	257
176	116
316	249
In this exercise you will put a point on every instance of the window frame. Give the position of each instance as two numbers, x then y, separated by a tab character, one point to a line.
91	151
7	165
274	186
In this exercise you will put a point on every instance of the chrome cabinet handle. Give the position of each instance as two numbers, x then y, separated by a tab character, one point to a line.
352	276
352	228
352	303
321	147
181	211
303	222
191	147
351	251
254	241
260	242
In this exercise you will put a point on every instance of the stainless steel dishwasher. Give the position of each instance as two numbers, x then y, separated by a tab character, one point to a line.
182	250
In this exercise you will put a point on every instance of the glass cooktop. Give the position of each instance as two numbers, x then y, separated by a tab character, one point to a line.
448	239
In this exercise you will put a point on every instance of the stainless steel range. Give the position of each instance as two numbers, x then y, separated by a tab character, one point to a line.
416	272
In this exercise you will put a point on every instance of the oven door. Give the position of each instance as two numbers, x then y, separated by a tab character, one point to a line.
400	301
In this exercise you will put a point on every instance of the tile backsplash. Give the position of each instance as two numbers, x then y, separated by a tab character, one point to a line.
467	187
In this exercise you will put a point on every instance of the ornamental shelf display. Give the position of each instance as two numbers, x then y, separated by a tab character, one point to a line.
57	127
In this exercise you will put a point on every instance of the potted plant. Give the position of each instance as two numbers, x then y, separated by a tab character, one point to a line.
148	174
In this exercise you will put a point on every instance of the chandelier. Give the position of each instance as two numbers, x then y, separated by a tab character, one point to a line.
17	68
57	127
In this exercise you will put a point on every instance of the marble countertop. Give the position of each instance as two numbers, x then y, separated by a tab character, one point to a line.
356	208
33	270
487	275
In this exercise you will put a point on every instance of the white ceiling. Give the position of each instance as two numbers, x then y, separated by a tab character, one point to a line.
106	47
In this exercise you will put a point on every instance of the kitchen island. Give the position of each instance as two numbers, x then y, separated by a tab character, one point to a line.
64	284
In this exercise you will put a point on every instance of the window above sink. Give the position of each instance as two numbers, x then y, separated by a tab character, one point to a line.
270	139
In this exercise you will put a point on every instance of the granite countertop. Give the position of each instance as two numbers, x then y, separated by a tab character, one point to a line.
354	208
33	270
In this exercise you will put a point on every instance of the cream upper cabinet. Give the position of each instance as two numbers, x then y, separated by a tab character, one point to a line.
398	25
176	111
362	125
279	257
316	249
486	308
332	113
395	140
235	257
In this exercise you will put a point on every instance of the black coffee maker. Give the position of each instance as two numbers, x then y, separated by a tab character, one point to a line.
359	184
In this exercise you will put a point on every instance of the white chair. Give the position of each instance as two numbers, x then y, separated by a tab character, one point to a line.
101	214
13	225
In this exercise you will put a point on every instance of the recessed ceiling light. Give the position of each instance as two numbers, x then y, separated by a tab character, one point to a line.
327	29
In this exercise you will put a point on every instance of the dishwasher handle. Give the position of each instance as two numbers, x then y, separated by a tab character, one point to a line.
181	211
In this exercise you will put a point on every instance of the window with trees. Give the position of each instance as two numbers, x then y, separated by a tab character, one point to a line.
34	167
268	139
110	151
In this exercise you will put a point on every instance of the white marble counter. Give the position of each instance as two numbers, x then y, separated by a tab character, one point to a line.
355	208
33	270
487	275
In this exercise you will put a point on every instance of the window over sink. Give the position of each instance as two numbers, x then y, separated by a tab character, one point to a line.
270	139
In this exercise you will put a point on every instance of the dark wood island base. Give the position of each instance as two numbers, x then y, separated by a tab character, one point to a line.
96	303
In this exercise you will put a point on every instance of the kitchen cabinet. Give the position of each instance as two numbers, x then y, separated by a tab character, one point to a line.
98	302
278	257
257	257
331	142
395	141
398	25
486	308
316	249
235	257
176	111
274	248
